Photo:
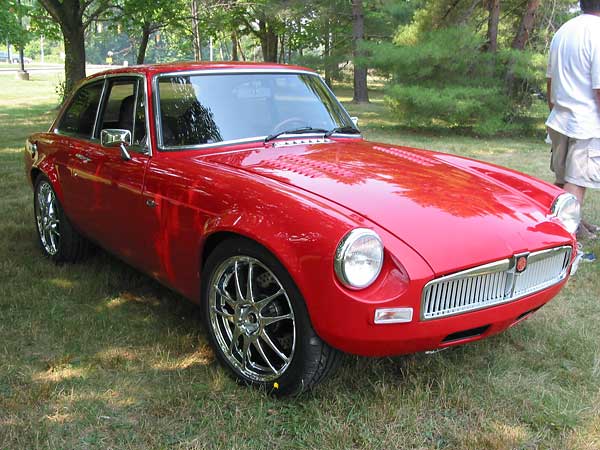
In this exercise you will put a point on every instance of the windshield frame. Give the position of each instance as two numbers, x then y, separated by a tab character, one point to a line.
216	72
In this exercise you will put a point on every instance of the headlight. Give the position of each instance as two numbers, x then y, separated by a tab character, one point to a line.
359	258
566	208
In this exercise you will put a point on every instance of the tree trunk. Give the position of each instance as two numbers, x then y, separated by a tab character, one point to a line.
281	57
74	54
196	40
526	25
327	52
493	20
361	94
141	56
268	41
234	47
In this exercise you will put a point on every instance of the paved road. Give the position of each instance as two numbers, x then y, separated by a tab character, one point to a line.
49	68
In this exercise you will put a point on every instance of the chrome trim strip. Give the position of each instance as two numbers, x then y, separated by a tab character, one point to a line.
95	130
497	280
206	72
496	266
221	71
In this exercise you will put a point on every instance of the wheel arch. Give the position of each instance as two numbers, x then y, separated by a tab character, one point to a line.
293	254
214	238
34	174
48	170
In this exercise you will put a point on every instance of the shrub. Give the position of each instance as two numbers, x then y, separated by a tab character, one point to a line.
443	78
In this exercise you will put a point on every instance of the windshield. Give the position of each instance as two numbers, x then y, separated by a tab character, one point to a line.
208	109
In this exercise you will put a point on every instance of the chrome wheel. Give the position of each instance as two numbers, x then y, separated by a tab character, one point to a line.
46	215
252	318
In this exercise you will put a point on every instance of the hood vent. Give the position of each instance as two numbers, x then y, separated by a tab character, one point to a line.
308	167
303	141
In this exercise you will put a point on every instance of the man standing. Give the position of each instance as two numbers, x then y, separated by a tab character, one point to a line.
573	79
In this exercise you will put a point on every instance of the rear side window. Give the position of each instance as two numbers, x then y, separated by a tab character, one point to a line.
80	116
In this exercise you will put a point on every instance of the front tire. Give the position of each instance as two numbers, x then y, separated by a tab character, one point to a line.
257	321
57	238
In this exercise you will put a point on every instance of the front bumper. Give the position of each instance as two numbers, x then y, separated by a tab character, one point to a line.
418	336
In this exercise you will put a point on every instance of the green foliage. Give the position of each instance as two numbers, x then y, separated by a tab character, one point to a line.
452	107
61	91
11	28
442	78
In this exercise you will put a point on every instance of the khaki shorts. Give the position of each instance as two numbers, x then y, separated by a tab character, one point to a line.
575	161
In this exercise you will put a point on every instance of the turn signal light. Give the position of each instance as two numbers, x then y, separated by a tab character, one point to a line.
393	315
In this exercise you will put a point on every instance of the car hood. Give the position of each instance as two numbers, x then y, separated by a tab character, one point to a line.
454	212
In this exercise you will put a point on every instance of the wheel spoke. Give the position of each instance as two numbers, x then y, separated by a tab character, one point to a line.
225	296
51	239
223	314
48	200
262	354
249	291
268	320
245	350
234	339
265	337
265	301
41	205
238	288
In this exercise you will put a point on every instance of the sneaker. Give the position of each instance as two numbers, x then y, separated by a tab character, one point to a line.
588	257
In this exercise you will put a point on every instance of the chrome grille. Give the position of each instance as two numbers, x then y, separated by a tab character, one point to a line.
494	283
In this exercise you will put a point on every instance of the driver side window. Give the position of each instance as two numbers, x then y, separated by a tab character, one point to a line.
124	109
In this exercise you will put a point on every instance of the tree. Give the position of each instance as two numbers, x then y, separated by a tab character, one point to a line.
74	17
142	18
11	29
493	21
361	94
526	25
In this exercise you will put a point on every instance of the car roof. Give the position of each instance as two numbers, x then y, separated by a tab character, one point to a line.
155	69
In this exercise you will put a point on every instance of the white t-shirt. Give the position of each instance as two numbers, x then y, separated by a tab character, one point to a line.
574	67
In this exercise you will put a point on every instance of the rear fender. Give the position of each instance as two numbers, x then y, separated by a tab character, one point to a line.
48	169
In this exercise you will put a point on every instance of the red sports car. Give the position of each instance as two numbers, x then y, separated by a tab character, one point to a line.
249	189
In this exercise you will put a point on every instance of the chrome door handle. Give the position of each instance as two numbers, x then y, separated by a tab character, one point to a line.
82	158
150	203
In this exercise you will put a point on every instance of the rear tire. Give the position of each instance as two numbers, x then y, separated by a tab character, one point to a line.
260	330
57	238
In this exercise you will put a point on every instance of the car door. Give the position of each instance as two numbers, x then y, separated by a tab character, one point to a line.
125	218
73	139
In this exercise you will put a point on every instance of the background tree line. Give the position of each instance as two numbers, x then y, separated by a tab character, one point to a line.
468	64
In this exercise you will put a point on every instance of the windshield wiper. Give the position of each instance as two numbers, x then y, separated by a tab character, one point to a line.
345	130
295	131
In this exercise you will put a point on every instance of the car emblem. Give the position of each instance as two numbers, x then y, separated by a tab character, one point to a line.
521	264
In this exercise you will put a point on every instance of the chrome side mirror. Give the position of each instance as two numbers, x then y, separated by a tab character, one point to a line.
354	121
114	137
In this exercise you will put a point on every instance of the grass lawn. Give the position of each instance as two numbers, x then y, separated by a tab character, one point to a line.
96	355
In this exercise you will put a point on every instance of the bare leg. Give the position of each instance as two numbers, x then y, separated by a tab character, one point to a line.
577	191
584	232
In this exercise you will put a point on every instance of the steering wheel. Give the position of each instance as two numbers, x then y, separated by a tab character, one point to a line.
290	124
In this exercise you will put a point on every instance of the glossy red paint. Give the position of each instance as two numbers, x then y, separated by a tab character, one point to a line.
436	214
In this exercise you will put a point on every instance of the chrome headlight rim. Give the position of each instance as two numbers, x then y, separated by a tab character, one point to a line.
345	244
562	201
